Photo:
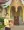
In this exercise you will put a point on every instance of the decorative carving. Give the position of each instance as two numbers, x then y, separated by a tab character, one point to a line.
13	10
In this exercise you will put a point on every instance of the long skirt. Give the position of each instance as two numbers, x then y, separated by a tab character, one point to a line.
6	28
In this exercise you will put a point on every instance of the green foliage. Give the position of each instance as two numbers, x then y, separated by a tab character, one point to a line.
7	7
2	26
1	19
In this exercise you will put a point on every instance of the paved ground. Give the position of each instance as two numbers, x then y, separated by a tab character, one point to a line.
21	27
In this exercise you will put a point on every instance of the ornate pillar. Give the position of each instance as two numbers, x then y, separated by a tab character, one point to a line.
23	14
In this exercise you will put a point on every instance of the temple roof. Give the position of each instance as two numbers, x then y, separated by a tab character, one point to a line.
2	1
